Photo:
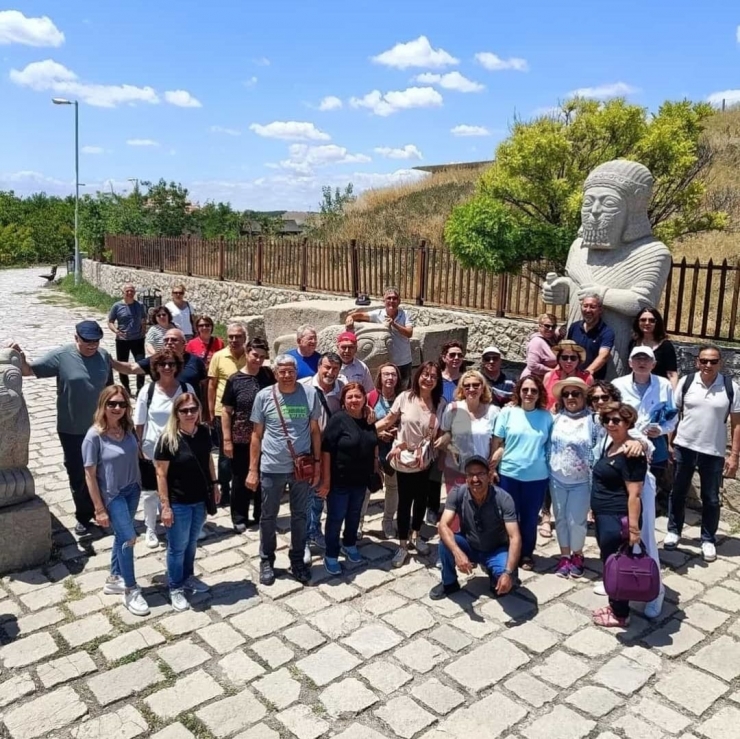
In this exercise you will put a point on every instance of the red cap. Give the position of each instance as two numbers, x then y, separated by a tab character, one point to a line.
347	336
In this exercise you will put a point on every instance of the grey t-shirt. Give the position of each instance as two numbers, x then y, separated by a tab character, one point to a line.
129	318
299	408
80	380
116	462
483	526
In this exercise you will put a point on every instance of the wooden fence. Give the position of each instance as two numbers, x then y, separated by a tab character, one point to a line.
700	300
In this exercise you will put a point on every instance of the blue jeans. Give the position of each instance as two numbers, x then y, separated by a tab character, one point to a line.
343	506
272	491
494	562
528	498
710	478
121	512
182	540
315	509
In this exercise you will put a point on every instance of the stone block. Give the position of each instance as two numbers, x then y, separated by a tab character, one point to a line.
411	620
385	676
327	664
723	725
28	526
304	636
26	651
279	688
569	725
594	701
124	681
86	629
489	718
404	716
487	664
337	622
347	698
174	731
240	669
15	688
420	655
272	651
530	689
183	655
188	692
42	715
624	676
561	669
720	658
437	696
125	723
427	341
254	325
130	642
227	716
691	689
221	638
372	640
302	722
64	669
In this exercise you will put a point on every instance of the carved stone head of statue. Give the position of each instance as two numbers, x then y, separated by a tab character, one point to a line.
614	212
13	413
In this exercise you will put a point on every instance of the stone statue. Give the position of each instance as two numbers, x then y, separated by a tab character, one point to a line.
25	521
615	255
373	343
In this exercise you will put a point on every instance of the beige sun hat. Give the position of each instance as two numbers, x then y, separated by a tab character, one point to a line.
570	345
558	387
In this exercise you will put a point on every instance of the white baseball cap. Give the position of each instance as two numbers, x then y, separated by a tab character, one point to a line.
645	351
492	350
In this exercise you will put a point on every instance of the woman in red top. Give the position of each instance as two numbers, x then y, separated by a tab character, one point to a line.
205	344
569	356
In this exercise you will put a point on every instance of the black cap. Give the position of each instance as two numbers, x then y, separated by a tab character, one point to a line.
89	331
476	459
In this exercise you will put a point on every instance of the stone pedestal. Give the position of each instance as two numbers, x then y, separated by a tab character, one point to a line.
427	341
254	325
25	530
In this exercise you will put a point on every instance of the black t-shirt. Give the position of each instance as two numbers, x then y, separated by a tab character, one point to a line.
193	371
188	476
665	359
239	393
483	526
610	475
351	444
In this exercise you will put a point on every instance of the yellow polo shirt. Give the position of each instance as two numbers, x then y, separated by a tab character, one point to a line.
223	365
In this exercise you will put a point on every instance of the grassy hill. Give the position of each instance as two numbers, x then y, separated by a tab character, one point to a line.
407	213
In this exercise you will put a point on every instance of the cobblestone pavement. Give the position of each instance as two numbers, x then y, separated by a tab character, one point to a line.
361	657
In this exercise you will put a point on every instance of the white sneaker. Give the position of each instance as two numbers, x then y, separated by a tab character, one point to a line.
195	585
134	601
654	607
150	539
178	600
670	541
599	588
114	585
399	558
421	546
708	551
307	556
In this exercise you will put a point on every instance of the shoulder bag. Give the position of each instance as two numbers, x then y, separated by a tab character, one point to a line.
304	466
415	460
630	576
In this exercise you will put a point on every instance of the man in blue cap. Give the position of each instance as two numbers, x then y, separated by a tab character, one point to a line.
82	370
488	532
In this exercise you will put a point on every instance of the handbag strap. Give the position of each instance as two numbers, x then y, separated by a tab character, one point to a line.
206	479
323	401
282	423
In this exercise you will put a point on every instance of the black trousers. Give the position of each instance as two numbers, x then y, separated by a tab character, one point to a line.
413	493
72	449
241	496
609	538
224	464
124	347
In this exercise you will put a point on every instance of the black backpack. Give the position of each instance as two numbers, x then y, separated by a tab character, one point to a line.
729	389
150	392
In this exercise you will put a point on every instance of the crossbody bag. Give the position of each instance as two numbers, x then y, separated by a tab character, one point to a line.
304	465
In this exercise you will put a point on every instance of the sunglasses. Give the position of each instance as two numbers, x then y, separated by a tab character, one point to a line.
204	325
530	391
94	341
115	404
190	410
472	386
613	421
162	315
709	361
167	365
177	292
491	357
569	357
549	326
455	355
572	394
598	398
647	320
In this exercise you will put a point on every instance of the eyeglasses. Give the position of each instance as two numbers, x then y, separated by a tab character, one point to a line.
178	292
204	325
472	386
549	326
88	341
162	315
389	375
572	394
647	320
454	355
708	361
569	357
190	410
429	376
167	365
613	421
598	398
491	357
530	391
116	404
476	475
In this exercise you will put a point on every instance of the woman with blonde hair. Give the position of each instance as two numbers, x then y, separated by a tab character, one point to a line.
467	424
110	453
187	488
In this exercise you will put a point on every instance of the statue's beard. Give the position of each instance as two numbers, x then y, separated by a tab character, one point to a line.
601	234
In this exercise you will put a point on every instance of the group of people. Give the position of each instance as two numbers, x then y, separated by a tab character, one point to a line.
556	447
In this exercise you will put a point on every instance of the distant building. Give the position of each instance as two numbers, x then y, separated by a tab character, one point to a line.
288	227
435	168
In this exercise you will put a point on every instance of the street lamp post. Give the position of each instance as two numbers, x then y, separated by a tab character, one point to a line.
78	264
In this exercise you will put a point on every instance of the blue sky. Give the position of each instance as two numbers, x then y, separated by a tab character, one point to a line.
226	97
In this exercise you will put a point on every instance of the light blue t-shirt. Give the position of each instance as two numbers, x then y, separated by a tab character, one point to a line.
116	462
526	437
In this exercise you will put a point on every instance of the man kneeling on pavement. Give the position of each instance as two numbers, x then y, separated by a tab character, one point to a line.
488	535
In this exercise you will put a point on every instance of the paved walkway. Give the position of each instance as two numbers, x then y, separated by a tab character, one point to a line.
364	657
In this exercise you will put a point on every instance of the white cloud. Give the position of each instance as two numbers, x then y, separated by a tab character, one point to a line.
290	131
330	102
737	34
407	152
182	99
226	131
52	76
418	53
142	142
391	102
450	81
303	159
729	97
604	92
251	82
16	28
262	61
465	130
494	63
92	150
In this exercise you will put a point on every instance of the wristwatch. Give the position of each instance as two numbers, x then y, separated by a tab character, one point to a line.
507	572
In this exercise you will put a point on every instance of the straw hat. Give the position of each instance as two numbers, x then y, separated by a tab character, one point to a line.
570	345
558	387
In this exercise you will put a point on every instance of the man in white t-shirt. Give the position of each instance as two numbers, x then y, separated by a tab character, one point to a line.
398	322
183	313
353	369
706	400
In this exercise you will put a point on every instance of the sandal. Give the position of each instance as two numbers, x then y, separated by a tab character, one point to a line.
605	617
545	528
527	564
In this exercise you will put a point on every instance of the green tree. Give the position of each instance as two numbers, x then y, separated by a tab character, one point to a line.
168	208
539	171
